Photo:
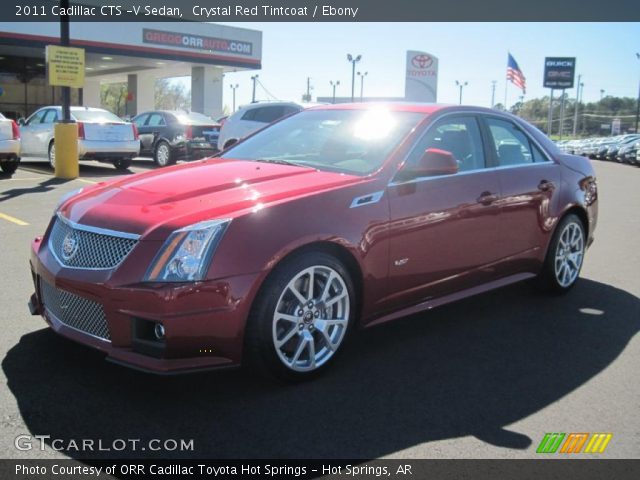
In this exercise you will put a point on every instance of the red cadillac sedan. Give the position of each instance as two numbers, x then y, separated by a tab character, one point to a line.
332	219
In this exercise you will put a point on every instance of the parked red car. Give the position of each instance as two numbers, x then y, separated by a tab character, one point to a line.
335	218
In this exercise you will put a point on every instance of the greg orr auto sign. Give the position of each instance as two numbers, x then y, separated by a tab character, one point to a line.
196	42
559	72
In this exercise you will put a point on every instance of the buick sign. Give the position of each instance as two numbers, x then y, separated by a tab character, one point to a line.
559	72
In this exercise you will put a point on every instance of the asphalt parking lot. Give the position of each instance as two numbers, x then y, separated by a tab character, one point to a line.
483	378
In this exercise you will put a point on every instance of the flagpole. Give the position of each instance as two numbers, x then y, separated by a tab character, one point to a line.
506	86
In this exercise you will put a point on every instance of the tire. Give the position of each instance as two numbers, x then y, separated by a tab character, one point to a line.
293	341
122	163
162	154
565	256
51	155
10	167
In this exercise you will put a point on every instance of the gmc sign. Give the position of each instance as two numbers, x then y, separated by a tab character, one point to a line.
559	72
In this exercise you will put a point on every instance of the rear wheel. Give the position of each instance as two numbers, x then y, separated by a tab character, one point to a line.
122	163
10	167
301	317
564	257
162	154
52	155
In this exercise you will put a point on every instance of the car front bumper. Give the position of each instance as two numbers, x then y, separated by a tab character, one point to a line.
203	321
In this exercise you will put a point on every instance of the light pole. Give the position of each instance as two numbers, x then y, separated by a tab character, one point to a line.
254	79
493	92
581	96
334	85
461	85
362	75
233	88
353	61
638	103
601	93
576	107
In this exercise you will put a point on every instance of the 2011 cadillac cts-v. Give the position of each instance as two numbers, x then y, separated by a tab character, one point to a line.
331	219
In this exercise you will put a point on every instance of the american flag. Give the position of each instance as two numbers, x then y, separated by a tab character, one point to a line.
514	74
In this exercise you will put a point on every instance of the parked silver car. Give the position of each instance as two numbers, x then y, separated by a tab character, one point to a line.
101	135
9	145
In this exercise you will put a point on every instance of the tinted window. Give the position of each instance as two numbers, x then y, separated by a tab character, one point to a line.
141	119
249	114
458	135
155	120
50	116
268	114
512	146
36	118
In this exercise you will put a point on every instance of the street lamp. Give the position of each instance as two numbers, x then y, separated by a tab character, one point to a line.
353	61
362	75
461	85
254	79
601	93
233	87
334	85
638	103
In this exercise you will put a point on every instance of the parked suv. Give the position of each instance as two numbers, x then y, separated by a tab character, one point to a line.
252	117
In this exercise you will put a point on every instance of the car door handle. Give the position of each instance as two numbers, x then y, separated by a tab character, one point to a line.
546	185
487	198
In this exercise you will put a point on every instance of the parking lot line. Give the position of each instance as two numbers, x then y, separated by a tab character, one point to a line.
15	220
85	180
33	170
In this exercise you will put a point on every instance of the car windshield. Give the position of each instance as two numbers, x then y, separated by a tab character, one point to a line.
193	118
95	116
350	141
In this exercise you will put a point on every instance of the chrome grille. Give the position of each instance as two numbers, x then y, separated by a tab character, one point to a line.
75	311
78	246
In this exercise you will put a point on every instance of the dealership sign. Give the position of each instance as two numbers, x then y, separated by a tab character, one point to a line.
421	82
559	72
196	42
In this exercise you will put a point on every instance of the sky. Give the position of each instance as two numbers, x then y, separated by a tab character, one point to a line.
471	52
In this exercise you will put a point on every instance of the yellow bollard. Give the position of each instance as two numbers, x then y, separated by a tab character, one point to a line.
66	150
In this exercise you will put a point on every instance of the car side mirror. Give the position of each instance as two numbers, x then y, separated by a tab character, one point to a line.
435	162
22	122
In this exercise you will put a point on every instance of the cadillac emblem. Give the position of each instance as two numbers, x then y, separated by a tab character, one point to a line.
69	246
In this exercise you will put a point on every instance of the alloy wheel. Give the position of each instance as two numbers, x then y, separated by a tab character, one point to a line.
52	155
569	254
162	154
311	318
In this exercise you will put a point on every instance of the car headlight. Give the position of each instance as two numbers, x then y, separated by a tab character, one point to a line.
186	254
66	197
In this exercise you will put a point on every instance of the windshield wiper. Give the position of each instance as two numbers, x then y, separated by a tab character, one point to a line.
281	162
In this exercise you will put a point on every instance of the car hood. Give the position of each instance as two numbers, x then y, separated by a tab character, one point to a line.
155	202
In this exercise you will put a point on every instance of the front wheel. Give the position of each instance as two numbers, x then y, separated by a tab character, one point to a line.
564	257
301	317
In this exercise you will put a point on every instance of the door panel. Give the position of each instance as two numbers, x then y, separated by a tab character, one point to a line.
443	237
444	230
529	182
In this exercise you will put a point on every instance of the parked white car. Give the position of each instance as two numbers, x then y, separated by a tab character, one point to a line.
101	135
249	118
9	145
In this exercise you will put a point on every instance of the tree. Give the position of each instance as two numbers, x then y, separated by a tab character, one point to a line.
171	96
113	97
